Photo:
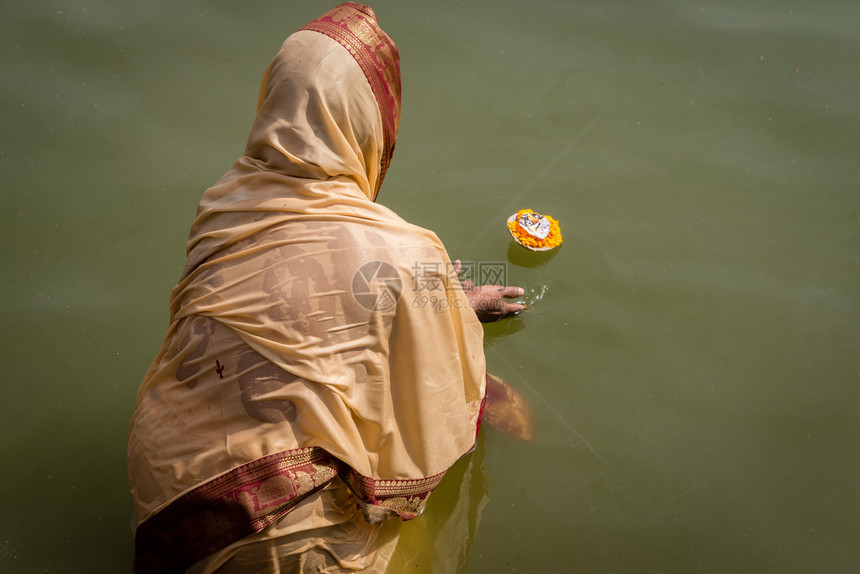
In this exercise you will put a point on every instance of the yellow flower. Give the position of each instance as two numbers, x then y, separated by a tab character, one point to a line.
526	239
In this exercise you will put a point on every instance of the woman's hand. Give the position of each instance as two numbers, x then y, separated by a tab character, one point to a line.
488	301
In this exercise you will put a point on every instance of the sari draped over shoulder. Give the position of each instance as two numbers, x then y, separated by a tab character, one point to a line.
322	368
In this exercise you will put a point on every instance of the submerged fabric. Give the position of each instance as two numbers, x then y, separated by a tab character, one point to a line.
309	316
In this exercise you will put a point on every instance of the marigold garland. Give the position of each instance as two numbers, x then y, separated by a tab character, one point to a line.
526	239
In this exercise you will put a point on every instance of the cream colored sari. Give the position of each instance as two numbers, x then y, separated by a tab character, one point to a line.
322	369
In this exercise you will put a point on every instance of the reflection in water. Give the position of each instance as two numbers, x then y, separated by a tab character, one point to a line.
501	330
523	257
439	541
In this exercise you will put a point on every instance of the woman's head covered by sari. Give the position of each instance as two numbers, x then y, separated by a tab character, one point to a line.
315	115
328	113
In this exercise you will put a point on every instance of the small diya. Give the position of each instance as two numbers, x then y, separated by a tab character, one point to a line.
534	231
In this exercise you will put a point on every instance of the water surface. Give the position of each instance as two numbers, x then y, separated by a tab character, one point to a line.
691	352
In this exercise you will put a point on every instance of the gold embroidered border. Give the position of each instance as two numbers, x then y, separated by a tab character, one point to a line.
355	27
252	496
229	507
405	497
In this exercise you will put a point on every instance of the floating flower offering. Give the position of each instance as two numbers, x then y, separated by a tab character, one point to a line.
534	231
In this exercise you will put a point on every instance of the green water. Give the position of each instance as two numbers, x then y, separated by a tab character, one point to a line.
692	354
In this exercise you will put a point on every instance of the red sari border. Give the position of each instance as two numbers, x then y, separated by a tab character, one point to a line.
405	497
354	26
229	507
252	496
